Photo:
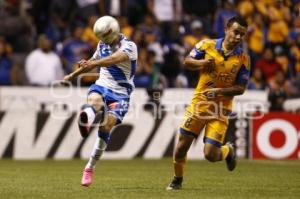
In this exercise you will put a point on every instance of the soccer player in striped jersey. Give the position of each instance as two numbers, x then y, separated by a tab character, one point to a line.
116	56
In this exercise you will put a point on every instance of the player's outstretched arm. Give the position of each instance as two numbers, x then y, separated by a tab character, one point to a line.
230	91
88	65
204	65
113	59
74	74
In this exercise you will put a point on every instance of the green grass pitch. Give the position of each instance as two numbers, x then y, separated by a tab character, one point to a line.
148	179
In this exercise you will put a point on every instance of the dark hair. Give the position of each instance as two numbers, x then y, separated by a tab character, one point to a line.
240	20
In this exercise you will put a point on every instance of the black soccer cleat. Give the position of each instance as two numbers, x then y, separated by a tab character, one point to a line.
175	184
84	129
231	158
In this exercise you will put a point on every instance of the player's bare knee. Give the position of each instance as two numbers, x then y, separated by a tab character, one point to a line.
96	101
212	153
211	157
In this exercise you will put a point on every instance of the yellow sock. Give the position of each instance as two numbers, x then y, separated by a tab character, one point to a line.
225	151
179	167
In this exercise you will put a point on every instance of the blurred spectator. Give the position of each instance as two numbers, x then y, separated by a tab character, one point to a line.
257	81
137	37
148	73
262	6
256	38
196	35
280	10
150	25
200	9
40	14
181	81
294	30
172	66
267	64
246	9
295	7
151	36
295	54
144	74
15	28
7	70
115	8
153	45
278	29
61	14
222	15
87	8
125	27
166	13
74	50
282	83
293	87
136	11
42	65
88	34
278	93
6	48
282	59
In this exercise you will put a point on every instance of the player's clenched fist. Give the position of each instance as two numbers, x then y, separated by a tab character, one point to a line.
208	65
83	63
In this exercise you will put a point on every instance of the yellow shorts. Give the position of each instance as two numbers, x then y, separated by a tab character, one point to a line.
215	128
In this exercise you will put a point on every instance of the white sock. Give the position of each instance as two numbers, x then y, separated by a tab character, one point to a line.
91	115
99	147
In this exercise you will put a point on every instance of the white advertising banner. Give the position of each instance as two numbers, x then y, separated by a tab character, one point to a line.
39	123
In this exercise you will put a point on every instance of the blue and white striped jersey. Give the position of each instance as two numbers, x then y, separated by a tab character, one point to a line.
119	77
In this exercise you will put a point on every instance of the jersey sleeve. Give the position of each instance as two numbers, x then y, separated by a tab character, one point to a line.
244	72
97	54
130	49
198	52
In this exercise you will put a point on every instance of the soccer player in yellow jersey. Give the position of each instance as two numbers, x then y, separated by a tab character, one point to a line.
224	72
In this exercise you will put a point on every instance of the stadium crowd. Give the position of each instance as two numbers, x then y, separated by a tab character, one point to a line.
40	41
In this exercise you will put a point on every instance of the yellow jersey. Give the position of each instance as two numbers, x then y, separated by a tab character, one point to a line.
231	68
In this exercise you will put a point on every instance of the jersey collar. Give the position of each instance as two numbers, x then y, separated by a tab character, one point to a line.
236	51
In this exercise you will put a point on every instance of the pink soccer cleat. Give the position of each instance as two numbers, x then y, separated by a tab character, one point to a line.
87	177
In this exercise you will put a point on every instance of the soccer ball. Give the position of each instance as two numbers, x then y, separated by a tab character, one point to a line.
106	28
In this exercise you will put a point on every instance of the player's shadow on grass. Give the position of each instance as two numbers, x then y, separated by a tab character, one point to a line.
155	188
135	188
191	189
